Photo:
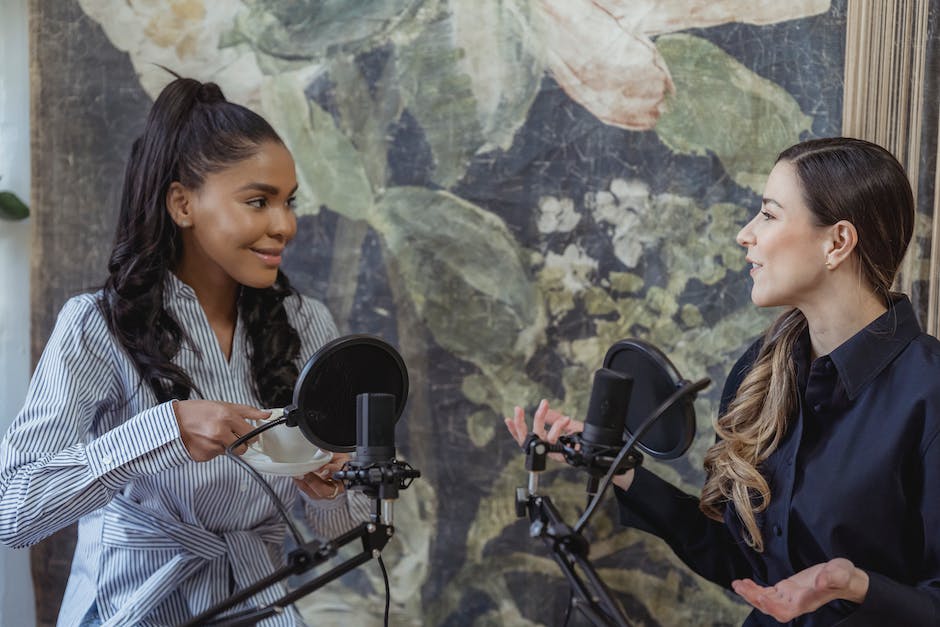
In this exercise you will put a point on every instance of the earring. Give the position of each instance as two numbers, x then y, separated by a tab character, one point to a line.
828	263
184	224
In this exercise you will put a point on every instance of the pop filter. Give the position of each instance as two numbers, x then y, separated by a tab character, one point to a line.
655	379
324	404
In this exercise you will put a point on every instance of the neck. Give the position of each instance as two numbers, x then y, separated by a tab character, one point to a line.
216	297
839	317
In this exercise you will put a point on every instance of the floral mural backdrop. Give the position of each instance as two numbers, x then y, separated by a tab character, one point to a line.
503	189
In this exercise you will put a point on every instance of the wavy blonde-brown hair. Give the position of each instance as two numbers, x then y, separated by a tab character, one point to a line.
841	179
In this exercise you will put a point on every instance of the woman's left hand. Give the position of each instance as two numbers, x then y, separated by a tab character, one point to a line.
320	484
807	590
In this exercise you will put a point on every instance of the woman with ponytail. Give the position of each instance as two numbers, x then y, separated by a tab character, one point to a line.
143	385
821	503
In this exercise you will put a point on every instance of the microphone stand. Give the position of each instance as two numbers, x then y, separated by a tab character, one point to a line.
569	547
375	471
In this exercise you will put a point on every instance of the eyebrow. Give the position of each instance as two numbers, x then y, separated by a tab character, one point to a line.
770	201
265	188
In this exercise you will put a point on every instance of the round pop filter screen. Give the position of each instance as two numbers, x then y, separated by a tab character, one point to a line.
324	404
655	379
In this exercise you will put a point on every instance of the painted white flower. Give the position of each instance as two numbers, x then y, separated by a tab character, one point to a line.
576	265
601	52
557	215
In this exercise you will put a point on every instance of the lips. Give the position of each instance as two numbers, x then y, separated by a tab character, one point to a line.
269	256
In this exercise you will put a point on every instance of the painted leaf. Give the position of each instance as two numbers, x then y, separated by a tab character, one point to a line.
441	99
329	168
307	29
452	253
504	69
722	107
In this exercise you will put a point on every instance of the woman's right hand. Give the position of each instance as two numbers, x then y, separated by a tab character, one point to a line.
208	427
558	425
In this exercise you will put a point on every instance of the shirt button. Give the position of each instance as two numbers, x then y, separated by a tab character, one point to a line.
818	407
829	365
244	486
106	459
778	531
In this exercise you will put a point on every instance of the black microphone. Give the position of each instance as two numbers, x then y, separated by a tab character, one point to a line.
604	424
375	428
374	469
607	412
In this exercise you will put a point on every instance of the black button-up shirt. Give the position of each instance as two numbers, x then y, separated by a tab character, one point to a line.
857	475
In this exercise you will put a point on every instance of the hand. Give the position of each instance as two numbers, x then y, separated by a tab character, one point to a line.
207	427
807	590
321	484
558	425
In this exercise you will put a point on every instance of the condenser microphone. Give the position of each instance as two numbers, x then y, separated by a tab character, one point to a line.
606	416
375	428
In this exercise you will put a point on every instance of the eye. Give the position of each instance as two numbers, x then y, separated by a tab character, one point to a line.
257	203
292	203
767	216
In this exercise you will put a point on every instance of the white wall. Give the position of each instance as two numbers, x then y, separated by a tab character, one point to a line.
16	586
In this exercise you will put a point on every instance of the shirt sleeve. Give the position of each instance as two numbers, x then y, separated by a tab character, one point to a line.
657	507
889	602
53	470
329	518
704	545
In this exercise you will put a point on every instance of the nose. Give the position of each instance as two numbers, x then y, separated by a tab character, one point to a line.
282	224
745	236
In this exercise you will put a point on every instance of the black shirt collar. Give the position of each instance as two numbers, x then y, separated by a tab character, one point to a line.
866	354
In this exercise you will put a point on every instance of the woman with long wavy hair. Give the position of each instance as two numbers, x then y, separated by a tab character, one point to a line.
143	384
821	503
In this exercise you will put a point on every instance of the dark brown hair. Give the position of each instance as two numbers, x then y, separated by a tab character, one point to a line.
191	131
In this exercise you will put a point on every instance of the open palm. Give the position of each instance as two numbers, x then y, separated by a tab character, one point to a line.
805	591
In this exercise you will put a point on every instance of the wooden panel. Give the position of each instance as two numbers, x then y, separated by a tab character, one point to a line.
73	197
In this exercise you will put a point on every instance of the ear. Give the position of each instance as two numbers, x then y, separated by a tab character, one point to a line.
841	242
178	204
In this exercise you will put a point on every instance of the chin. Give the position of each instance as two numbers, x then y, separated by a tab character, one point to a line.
259	282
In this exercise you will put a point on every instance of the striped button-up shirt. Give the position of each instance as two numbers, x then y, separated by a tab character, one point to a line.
160	537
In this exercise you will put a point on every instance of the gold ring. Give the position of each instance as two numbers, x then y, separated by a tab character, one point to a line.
335	491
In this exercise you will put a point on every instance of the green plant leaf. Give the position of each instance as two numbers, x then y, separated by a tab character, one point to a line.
504	74
464	273
11	207
329	168
441	99
722	107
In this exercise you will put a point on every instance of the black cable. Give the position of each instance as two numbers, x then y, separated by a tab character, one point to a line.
388	589
230	452
687	388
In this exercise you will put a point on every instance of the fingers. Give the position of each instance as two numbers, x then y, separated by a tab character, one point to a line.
517	426
557	429
557	423
249	412
314	486
538	421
